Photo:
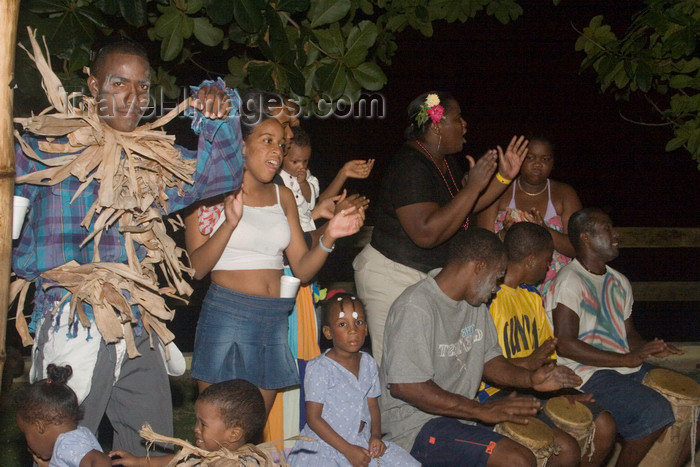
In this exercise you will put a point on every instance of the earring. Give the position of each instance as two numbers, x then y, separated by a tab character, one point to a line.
439	141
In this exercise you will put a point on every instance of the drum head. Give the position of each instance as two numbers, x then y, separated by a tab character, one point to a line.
535	435
560	410
670	382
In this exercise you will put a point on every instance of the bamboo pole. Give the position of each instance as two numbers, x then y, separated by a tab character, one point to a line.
9	9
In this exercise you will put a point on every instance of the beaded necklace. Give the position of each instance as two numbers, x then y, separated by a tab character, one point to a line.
465	225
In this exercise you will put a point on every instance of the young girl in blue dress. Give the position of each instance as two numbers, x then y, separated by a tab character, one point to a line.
341	389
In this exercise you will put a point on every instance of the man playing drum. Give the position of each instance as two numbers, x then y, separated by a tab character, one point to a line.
439	339
526	337
592	317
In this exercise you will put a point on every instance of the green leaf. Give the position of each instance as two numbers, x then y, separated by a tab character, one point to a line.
135	12
206	33
331	40
193	6
277	37
397	23
675	143
171	45
293	6
369	76
331	79
248	14
680	81
186	26
168	22
327	11
237	72
361	38
220	12
260	75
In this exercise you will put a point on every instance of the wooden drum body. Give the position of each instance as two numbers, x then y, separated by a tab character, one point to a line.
536	436
576	420
684	395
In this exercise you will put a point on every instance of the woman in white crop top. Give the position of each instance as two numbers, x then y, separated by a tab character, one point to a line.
242	328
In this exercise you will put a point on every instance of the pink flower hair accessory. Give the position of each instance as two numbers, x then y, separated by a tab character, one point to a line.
430	110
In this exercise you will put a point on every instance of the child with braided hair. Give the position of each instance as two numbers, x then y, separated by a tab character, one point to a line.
48	414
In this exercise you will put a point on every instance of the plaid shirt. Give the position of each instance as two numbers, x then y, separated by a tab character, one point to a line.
52	233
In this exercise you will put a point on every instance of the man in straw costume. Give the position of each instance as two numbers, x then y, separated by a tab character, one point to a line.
95	241
592	318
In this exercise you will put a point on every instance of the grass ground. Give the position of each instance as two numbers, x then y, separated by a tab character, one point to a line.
13	449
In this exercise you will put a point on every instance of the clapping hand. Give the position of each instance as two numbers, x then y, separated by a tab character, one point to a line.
481	171
358	168
233	207
509	162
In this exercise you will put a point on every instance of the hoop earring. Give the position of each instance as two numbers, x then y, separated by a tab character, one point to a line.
439	141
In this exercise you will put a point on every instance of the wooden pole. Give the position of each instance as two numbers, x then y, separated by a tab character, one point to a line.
9	9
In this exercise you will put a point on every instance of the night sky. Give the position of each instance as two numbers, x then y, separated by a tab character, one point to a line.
524	78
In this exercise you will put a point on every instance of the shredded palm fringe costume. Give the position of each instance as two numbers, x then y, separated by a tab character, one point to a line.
133	170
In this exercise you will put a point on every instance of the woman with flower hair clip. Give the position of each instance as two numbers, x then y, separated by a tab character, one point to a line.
424	201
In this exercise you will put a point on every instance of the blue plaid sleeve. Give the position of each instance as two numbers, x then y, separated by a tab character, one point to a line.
219	158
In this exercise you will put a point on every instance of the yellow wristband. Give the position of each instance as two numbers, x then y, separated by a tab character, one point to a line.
502	179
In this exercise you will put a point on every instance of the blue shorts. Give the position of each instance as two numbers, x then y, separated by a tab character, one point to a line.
638	409
244	336
446	441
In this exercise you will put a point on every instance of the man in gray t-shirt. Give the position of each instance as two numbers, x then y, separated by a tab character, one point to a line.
439	339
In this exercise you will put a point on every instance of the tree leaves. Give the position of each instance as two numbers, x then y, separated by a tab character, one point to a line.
658	53
326	51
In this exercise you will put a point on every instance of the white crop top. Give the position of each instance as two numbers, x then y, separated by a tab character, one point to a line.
258	240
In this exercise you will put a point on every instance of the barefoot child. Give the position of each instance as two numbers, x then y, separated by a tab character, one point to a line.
229	414
342	387
48	415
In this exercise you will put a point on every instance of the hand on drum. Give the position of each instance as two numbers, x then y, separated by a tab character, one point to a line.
512	409
551	377
542	355
582	398
654	348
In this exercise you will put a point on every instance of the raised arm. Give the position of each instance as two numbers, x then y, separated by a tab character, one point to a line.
305	263
429	224
509	162
205	251
357	168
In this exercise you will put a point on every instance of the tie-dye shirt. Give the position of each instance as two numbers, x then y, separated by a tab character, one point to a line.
602	303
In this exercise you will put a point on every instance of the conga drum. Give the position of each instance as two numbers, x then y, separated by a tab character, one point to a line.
576	420
536	436
684	395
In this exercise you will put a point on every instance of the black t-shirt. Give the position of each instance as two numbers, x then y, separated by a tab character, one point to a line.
411	178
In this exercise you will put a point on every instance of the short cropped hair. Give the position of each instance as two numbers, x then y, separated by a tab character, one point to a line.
581	221
301	137
476	244
119	45
524	239
240	404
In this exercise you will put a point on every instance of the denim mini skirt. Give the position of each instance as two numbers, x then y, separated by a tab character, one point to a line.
244	336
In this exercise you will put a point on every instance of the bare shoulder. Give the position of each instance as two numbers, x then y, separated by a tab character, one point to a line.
562	190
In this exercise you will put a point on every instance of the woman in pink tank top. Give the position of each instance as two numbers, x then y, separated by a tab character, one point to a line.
533	197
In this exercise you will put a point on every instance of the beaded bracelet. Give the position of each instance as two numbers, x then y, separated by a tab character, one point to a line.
502	179
324	247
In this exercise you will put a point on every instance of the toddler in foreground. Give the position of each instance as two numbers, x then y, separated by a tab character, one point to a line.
48	415
342	387
229	415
